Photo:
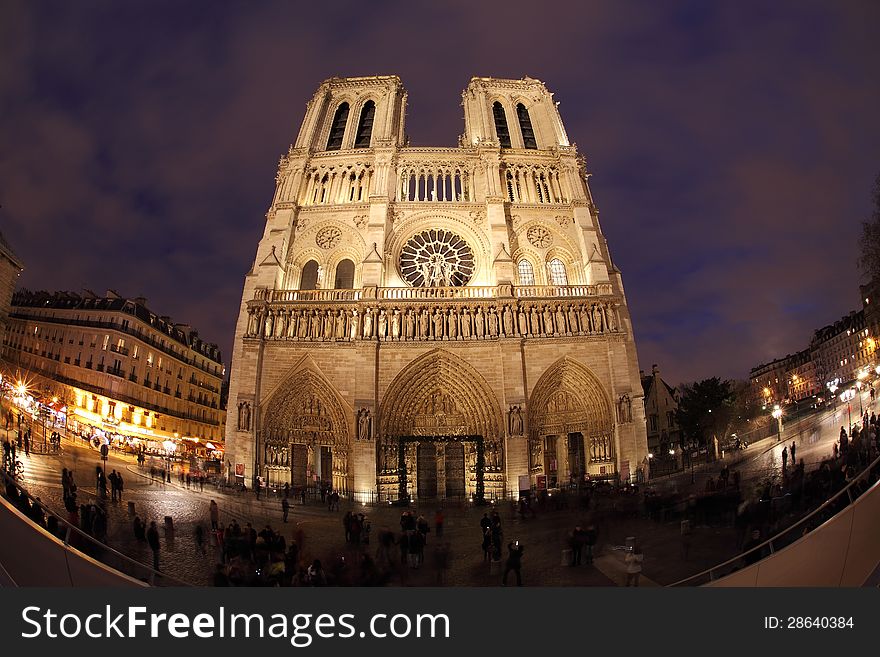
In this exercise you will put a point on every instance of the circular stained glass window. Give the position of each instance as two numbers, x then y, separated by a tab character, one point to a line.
436	258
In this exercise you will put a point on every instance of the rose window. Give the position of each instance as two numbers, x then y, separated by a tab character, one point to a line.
436	258
328	237
539	237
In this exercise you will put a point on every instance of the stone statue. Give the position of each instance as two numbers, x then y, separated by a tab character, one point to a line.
610	322
452	324
466	324
493	322
438	324
424	324
585	320
395	325
291	324
560	321
515	421
252	322
548	321
353	325
572	320
328	324
270	323
364	419
523	323
368	323
410	324
624	409
244	416
535	321
536	455
280	324
507	319
315	326
302	327
598	321
340	325
479	325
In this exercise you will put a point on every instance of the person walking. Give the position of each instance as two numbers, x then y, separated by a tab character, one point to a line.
793	451
120	485
576	542
215	514
200	538
514	562
438	523
634	565
27	443
153	541
112	478
590	536
784	458
285	508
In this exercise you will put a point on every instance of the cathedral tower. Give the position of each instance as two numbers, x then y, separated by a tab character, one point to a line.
433	322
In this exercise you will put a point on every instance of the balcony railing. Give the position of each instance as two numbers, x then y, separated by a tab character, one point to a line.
436	293
116	371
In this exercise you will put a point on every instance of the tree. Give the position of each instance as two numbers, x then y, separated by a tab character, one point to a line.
869	246
706	410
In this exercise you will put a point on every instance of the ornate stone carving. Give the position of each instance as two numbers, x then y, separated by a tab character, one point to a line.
328	237
563	220
360	221
478	216
539	237
436	258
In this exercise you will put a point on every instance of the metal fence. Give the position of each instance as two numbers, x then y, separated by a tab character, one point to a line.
77	540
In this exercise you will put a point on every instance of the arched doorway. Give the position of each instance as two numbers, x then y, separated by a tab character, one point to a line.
305	438
571	427
440	432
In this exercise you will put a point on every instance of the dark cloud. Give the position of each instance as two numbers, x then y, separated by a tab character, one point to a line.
733	145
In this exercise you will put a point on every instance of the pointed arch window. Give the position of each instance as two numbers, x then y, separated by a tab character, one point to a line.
337	130
309	278
344	275
558	275
525	126
526	272
501	125
365	125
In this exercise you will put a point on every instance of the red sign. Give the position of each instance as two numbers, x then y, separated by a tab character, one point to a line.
239	469
542	482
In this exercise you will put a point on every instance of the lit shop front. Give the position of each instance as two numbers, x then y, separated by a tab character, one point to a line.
130	428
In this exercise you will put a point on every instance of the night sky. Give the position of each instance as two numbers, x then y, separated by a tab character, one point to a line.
733	146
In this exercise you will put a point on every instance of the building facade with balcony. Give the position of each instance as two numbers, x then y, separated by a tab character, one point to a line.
433	322
120	369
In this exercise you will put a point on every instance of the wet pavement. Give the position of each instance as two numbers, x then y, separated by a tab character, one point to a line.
321	532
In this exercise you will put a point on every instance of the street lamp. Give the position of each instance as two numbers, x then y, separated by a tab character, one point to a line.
777	413
847	396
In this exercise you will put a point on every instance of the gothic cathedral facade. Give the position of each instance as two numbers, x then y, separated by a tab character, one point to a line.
433	322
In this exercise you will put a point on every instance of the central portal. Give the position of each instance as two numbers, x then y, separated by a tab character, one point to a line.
427	471
440	466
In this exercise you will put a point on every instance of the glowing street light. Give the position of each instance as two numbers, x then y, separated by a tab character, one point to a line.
777	413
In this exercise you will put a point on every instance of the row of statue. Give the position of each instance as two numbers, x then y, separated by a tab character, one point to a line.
601	451
454	322
388	457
